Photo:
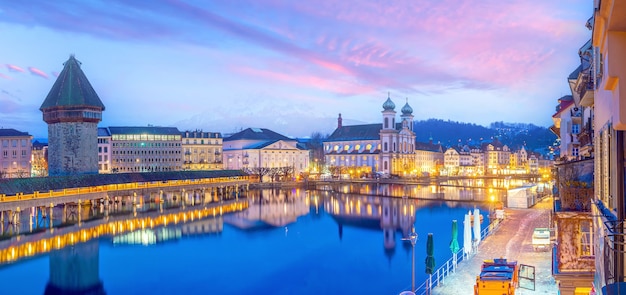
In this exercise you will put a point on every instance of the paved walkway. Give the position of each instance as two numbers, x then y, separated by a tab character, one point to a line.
513	240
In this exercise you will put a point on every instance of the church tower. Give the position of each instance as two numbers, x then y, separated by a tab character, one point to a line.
72	111
387	135
407	115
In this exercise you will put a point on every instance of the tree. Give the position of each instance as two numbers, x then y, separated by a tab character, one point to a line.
258	171
285	172
273	173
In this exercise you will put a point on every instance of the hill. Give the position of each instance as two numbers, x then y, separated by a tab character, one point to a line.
515	135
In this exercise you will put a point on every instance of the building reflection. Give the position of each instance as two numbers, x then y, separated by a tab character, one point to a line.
389	215
270	208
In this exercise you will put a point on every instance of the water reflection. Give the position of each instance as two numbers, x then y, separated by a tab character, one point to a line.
281	241
270	209
75	270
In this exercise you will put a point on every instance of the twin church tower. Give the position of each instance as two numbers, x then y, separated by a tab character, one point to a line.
72	111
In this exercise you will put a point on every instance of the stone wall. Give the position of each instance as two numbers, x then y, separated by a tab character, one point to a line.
72	148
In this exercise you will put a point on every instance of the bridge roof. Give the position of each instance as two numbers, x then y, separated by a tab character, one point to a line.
13	186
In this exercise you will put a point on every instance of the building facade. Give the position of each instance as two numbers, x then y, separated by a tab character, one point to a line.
397	154
608	100
104	151
15	153
566	125
72	111
202	150
387	148
355	147
265	153
141	149
39	159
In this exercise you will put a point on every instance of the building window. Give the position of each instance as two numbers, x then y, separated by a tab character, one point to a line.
586	235
575	128
14	143
386	123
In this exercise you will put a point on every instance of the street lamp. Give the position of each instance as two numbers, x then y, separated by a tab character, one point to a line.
413	239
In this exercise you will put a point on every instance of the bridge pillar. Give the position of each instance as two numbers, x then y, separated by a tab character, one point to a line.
50	223
78	211
16	216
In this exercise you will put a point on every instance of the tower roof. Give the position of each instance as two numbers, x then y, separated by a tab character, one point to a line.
388	104
72	89
407	109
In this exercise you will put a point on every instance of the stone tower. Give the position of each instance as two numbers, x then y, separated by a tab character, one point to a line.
72	110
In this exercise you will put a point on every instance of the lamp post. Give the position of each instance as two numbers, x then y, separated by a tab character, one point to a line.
413	239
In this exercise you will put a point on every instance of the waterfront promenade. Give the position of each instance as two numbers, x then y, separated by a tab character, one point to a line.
512	241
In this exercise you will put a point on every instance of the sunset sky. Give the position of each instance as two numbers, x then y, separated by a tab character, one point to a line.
292	66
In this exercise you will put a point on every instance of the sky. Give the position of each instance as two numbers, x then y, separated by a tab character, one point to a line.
293	66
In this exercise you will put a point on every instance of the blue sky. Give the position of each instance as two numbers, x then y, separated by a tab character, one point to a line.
292	66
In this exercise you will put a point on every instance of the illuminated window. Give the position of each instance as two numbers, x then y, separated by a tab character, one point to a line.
357	147
336	148
368	147
586	235
346	147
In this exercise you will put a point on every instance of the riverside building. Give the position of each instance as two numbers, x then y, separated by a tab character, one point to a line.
15	153
255	148
139	149
202	150
388	148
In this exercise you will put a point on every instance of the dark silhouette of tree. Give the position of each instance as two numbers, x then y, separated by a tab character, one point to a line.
258	171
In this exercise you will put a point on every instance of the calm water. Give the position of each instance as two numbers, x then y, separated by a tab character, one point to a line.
286	242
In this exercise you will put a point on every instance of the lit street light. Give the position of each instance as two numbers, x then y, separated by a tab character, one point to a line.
413	239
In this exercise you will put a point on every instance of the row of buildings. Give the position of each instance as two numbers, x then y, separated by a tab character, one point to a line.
590	195
72	110
390	148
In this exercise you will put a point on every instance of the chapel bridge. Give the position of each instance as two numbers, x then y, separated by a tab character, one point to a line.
154	186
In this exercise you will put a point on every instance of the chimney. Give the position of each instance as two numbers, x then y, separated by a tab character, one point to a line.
339	121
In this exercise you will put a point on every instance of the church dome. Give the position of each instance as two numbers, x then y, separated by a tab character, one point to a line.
407	109
389	105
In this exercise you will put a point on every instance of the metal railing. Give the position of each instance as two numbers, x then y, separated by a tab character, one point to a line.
449	267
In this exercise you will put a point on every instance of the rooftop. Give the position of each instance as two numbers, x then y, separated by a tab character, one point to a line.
72	89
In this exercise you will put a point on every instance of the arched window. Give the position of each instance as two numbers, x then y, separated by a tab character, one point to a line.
385	165
385	147
386	123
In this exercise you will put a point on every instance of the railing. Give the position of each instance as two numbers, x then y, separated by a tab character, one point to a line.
118	187
438	277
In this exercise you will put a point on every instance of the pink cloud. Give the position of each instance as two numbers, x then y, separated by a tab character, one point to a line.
14	68
5	76
407	45
37	72
316	82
